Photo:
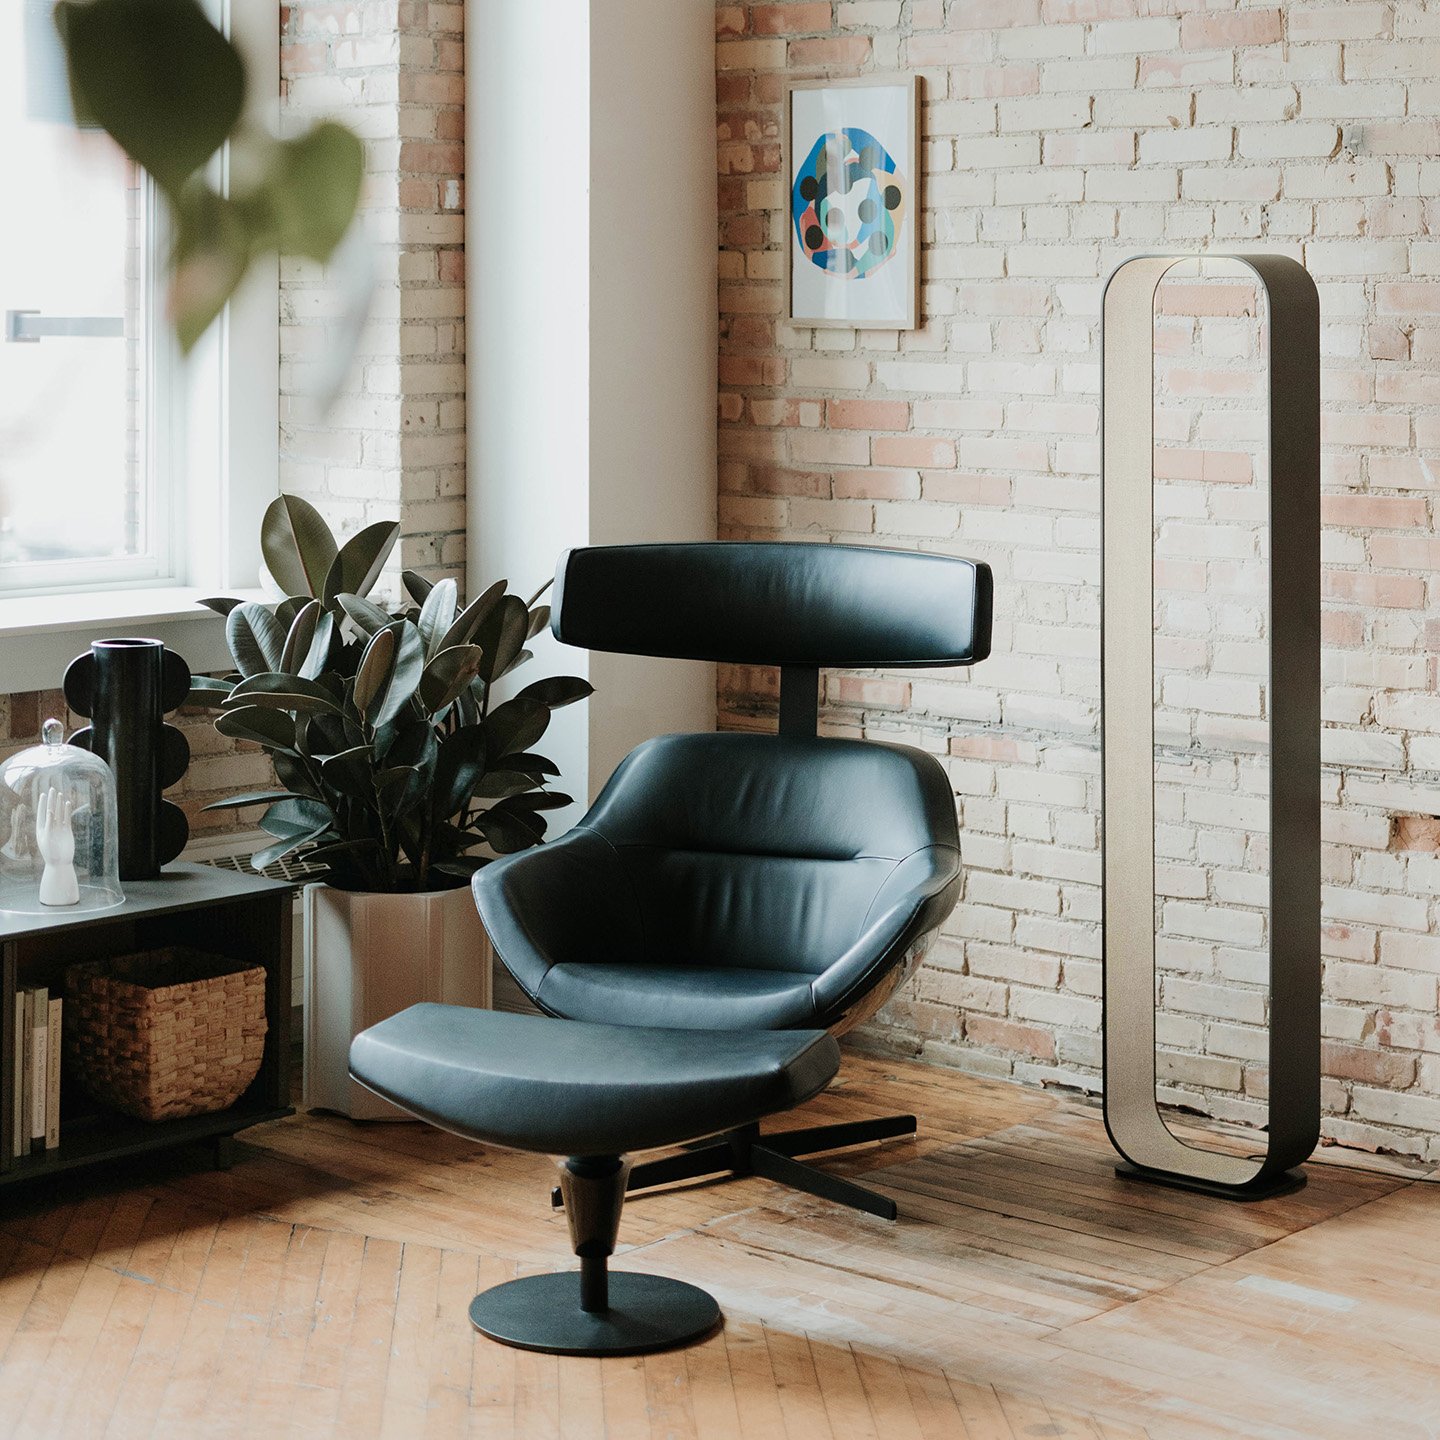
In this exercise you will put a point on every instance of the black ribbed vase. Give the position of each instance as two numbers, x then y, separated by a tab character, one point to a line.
126	687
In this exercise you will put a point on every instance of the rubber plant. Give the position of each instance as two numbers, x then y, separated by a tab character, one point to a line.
400	769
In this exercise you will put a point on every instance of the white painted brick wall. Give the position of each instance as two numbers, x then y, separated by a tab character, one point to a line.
1054	150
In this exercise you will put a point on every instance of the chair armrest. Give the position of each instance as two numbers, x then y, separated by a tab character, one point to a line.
917	896
569	900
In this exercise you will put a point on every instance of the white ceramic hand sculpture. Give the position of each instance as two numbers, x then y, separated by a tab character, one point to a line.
56	842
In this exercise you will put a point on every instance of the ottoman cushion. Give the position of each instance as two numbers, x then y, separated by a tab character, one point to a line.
563	1087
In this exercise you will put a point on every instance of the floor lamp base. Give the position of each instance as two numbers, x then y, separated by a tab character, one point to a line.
1284	1183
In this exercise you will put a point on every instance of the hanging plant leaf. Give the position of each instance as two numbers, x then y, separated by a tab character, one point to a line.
191	77
360	560
255	639
437	615
312	188
297	544
212	250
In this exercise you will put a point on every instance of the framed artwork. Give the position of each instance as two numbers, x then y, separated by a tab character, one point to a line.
852	171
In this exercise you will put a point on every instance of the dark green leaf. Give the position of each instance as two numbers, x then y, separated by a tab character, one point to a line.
158	76
515	725
460	765
450	672
497	784
470	619
318	655
220	604
254	797
282	847
392	681
350	771
302	633
462	865
506	833
557	690
539	619
283	692
255	639
501	636
297	812
270	728
531	764
297	544
365	615
360	560
208	692
437	615
416	585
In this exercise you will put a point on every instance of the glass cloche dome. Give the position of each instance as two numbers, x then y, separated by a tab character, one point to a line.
59	840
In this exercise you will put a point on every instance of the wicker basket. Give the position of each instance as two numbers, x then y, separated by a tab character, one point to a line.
166	1033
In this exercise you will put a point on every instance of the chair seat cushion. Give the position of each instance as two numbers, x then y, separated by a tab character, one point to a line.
707	997
563	1087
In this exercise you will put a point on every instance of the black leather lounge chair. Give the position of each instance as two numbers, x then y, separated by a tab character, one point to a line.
740	881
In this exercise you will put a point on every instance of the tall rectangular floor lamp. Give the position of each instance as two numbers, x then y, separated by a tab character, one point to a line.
1150	1150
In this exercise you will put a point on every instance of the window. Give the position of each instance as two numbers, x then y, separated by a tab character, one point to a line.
131	483
85	497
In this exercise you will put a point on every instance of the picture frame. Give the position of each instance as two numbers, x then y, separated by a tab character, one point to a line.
853	262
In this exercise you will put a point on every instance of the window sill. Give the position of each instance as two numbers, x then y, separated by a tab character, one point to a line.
41	634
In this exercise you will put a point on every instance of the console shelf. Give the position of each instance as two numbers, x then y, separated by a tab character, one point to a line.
243	917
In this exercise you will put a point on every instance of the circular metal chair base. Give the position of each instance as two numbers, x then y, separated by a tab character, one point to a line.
542	1312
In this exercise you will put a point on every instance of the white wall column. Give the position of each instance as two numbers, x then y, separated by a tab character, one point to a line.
591	271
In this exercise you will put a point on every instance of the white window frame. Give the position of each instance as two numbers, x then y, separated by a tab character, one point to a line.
219	442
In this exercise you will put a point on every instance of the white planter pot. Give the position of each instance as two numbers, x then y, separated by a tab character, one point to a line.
369	956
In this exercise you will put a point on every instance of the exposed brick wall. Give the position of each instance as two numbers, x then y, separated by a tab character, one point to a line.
393	445
1059	137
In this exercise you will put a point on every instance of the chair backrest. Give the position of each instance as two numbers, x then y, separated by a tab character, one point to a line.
743	850
775	603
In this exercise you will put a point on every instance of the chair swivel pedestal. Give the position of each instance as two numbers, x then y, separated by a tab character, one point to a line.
597	1312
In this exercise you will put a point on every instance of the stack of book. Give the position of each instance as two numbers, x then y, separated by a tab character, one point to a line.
35	1082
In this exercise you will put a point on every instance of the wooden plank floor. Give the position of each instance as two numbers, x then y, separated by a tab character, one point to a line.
319	1288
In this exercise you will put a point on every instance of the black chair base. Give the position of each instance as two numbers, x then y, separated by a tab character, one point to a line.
1285	1183
746	1152
643	1313
594	1312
